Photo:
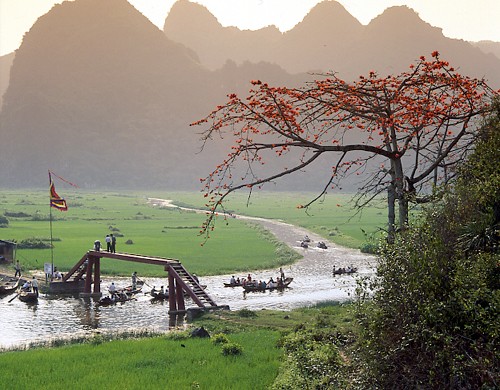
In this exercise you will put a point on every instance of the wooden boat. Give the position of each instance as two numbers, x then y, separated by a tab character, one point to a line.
322	245
114	299
28	296
232	285
254	287
342	271
130	290
158	295
9	286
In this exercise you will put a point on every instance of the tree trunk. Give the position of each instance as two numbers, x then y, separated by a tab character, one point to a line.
399	181
391	213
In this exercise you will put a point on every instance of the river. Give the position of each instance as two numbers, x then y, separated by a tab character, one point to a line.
70	316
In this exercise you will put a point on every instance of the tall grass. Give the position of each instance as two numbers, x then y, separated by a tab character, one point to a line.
152	363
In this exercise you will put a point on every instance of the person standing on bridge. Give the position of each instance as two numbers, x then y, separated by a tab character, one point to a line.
113	243
108	243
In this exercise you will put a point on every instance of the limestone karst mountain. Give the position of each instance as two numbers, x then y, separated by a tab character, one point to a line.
99	94
329	39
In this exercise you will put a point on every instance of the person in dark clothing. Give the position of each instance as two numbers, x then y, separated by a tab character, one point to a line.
113	243
18	269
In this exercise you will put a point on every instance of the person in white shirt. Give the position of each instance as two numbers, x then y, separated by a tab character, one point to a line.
34	285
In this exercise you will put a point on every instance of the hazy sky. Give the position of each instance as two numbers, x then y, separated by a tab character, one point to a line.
471	20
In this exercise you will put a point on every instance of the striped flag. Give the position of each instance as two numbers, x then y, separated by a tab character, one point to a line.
55	200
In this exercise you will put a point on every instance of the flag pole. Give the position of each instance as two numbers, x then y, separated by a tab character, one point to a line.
50	219
59	203
51	246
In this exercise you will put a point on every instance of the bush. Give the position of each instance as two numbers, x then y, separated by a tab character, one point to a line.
33	243
312	361
4	222
232	349
220	338
246	313
16	214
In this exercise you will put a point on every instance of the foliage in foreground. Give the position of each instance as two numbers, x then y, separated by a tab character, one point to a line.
434	321
251	361
312	358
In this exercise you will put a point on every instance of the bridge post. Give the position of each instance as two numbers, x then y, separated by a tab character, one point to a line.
88	275
172	301
97	275
180	298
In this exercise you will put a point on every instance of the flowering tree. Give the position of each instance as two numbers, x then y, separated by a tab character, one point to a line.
408	130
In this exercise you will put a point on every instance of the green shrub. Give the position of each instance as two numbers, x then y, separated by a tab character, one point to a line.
34	243
16	214
246	313
220	338
232	349
4	222
312	360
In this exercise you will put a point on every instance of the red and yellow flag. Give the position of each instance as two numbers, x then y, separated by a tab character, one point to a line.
55	200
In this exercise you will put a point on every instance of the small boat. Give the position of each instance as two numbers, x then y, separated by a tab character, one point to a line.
232	284
158	295
28	296
114	298
322	245
9	286
342	271
131	290
250	287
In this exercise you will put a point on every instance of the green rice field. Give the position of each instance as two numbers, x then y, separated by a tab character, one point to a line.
172	233
150	363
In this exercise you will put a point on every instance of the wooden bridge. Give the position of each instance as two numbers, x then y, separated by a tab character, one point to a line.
180	281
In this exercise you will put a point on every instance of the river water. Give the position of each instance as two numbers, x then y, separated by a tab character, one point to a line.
70	316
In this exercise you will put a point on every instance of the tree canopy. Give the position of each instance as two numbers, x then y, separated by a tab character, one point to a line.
402	133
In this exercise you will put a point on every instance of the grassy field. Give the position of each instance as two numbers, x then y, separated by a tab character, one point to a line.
152	363
173	361
332	217
236	246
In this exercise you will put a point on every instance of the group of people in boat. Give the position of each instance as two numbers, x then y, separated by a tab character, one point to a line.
261	284
344	270
31	285
306	241
115	294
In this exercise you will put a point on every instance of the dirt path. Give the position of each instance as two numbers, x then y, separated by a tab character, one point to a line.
313	279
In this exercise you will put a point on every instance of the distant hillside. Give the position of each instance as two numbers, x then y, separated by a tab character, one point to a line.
5	65
328	38
100	95
488	47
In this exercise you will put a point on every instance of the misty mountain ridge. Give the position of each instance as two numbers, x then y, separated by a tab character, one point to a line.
102	96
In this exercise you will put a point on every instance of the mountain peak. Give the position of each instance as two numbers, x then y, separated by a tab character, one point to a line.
401	19
194	16
328	16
